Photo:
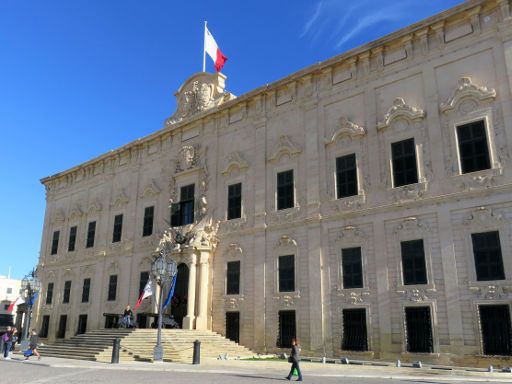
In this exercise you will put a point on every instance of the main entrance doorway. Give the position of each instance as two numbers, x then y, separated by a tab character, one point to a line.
180	297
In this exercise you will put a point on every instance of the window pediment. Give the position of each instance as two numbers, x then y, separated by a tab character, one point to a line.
234	161
465	90
120	200
483	217
76	212
400	110
151	190
345	128
284	147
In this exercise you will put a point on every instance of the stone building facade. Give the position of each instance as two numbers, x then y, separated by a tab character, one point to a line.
362	204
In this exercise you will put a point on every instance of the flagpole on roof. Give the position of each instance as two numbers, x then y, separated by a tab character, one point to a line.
204	48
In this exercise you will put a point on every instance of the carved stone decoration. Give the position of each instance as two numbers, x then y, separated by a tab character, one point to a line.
229	226
417	295
189	158
120	200
409	192
284	216
202	91
345	128
233	303
284	146
76	212
483	217
234	251
400	109
234	160
354	297
286	241
59	217
94	207
474	182
411	224
465	90
345	204
491	291
151	190
287	300
351	233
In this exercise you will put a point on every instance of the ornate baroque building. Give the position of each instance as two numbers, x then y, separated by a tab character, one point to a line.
362	204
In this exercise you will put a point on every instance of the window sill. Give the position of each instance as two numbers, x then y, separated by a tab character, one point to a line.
485	178
283	216
409	191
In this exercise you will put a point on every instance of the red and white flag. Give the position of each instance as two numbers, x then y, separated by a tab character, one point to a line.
148	291
19	300
213	50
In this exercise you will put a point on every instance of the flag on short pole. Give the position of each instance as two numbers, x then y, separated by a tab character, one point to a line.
148	291
213	50
18	300
171	291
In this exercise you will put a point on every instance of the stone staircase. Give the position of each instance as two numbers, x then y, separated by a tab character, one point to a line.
137	345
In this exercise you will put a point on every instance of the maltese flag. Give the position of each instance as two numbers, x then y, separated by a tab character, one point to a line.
148	291
19	300
213	50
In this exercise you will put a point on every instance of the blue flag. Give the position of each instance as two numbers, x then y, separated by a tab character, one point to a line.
33	299
171	291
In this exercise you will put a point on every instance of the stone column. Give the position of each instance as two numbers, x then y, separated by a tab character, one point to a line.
202	318
188	321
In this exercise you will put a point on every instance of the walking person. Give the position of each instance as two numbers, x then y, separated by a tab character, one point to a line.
34	339
294	359
7	339
127	317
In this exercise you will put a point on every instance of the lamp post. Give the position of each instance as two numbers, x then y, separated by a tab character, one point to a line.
163	271
30	285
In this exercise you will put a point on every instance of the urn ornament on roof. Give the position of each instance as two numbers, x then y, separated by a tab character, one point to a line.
199	93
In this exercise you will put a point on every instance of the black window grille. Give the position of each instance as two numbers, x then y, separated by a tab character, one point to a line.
233	278
287	273
285	190
144	278
45	325
287	329
112	288
355	336
55	242
182	213
473	148
419	330
85	290
413	262
67	291
352	267
72	239
234	201
496	329
147	228
405	168
118	228
487	253
61	331
49	293
346	176
91	233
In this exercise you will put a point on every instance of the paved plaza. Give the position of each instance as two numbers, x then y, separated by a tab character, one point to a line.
60	371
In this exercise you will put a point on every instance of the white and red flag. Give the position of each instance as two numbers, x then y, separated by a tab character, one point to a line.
148	291
213	50
19	300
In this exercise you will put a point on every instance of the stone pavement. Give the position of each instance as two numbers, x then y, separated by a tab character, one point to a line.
56	371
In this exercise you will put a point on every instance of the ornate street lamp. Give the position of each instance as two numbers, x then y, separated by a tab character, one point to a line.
163	272
30	285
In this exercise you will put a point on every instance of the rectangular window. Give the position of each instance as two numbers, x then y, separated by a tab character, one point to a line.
45	325
72	239
285	190
182	213
233	278
91	233
487	253
147	229
49	293
144	278
85	290
355	337
473	148
67	291
112	288
287	273
61	331
233	326
287	329
346	176
413	262
235	201
405	168
118	228
352	268
496	329
55	242
9	291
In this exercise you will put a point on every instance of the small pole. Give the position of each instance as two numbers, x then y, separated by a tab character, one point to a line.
204	48
116	345
196	359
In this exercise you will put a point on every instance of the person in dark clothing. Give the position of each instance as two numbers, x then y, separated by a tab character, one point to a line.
33	345
294	359
7	338
127	317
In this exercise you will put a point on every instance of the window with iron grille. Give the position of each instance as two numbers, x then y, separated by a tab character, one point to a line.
67	291
352	267
287	273
235	201
72	239
473	148
346	176
419	330
182	213
118	228
496	329
55	242
405	168
355	336
112	288
49	293
287	329
144	278
487	254
233	278
413	262
147	228
85	290
45	325
285	190
91	233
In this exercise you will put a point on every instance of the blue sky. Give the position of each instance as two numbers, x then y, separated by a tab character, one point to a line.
81	77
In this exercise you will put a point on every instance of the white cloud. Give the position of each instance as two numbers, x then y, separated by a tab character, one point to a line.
312	19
